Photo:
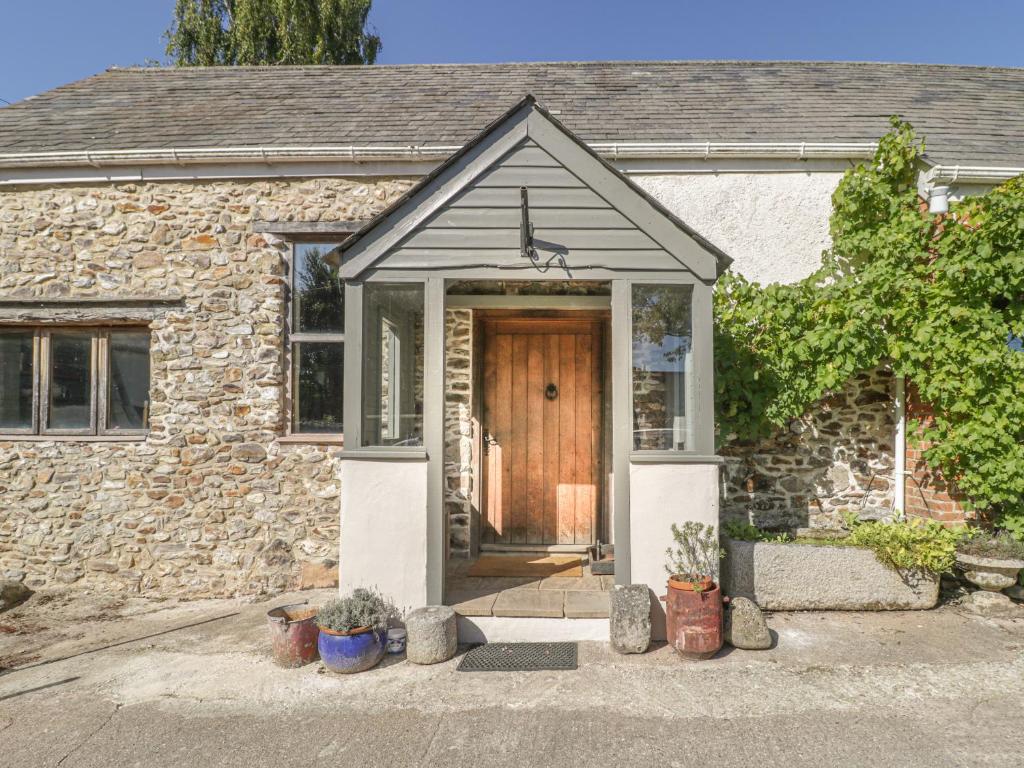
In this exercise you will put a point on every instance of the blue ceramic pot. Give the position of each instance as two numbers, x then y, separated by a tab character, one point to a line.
355	651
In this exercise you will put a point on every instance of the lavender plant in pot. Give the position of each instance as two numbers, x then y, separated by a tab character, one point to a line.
353	630
693	605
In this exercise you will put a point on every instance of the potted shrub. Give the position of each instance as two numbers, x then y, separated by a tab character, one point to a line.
991	561
353	630
693	605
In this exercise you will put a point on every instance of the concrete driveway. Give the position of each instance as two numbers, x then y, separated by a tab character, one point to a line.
100	681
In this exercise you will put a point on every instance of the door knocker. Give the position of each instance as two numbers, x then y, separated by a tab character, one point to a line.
551	392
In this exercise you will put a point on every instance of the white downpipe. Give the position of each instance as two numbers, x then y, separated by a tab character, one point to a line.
899	492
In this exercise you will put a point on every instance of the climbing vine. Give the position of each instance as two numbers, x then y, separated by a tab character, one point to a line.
937	298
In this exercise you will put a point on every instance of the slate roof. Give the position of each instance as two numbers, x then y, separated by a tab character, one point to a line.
970	115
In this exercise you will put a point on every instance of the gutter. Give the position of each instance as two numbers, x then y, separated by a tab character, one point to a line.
610	150
971	174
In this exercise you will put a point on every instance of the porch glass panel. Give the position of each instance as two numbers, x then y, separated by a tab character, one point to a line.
393	359
662	368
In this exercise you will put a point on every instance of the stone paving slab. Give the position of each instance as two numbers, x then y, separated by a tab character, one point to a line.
578	584
472	603
490	584
586	605
534	603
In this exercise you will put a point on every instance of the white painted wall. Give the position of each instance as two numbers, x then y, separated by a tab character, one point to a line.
384	529
774	225
659	495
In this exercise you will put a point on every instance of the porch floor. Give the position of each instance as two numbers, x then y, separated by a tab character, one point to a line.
582	597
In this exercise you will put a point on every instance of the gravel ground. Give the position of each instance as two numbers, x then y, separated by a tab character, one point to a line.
89	680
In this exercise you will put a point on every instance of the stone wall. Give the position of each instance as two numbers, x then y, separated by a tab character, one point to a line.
458	433
212	502
836	458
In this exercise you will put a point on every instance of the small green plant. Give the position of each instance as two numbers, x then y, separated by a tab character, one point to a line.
747	532
696	553
363	608
1000	546
742	531
907	545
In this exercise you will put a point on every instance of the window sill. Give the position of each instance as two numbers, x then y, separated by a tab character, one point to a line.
73	438
375	453
672	457
313	438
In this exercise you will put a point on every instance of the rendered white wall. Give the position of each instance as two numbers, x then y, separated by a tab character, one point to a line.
774	225
659	495
384	529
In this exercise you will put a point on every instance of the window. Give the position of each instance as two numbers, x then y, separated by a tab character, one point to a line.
662	367
74	381
393	364
317	337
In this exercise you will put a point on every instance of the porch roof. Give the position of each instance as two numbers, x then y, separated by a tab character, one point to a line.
528	126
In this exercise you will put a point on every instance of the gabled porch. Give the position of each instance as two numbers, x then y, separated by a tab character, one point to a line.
576	408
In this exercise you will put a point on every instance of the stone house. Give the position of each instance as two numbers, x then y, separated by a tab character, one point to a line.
262	326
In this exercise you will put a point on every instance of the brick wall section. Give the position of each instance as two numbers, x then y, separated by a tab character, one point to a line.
211	503
927	494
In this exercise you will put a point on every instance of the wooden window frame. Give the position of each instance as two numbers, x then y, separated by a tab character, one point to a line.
294	337
99	386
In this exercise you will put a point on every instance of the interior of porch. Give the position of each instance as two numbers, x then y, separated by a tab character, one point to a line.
572	591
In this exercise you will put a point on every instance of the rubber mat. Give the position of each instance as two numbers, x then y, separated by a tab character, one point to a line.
519	657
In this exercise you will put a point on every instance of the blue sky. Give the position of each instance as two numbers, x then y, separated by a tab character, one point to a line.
51	42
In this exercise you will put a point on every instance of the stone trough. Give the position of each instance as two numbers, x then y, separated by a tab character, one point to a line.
809	577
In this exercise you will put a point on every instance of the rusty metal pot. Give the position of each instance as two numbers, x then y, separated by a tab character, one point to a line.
294	634
694	618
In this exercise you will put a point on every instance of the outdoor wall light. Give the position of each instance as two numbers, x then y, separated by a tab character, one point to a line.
938	200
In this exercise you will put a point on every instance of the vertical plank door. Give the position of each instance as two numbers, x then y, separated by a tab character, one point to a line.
542	390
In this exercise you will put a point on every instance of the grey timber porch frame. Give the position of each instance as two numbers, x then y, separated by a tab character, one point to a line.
454	226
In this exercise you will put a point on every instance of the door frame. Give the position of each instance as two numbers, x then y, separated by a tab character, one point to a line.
601	459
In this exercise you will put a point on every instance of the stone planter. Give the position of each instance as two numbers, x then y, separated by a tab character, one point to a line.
990	573
809	577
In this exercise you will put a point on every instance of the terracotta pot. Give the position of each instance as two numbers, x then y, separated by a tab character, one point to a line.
694	619
690	584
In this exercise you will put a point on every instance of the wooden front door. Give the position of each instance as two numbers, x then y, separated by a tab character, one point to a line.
541	430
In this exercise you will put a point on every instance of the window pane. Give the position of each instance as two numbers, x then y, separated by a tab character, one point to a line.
70	380
318	386
128	380
318	302
662	367
16	380
393	364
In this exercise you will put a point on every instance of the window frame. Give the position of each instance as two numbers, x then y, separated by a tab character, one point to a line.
370	397
703	432
99	385
689	366
33	430
293	337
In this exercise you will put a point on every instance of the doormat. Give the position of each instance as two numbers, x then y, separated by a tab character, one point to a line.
519	657
536	566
